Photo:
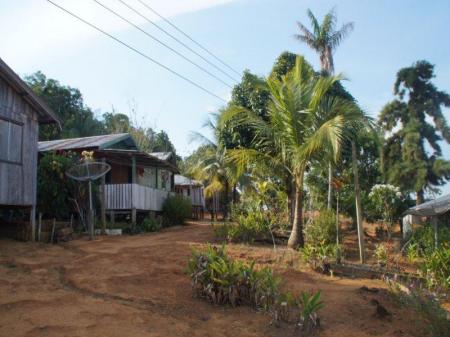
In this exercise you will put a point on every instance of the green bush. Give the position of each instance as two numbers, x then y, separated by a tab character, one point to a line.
150	224
423	238
176	209
247	228
322	231
436	269
221	280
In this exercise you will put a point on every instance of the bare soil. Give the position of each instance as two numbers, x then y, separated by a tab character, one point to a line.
136	286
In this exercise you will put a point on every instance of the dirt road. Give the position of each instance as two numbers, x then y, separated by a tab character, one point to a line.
136	286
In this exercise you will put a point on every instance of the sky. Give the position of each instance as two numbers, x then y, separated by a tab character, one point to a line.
246	34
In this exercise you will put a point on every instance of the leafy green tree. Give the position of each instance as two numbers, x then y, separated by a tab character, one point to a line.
77	119
303	122
415	125
324	39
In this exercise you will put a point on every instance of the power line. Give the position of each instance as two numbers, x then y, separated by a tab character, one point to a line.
162	43
137	51
189	37
176	39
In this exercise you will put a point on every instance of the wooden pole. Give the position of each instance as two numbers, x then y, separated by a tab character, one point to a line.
33	223
39	226
53	230
133	182
103	201
358	204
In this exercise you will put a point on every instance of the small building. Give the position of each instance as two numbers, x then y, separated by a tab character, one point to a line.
138	182
21	113
435	212
192	189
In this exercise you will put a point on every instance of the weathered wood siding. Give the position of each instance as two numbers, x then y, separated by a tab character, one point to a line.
18	180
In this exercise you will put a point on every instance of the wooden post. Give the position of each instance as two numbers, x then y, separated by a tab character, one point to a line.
112	217
133	181
39	226
103	202
358	204
53	230
33	223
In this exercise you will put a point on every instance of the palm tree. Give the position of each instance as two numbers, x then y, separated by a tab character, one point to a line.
213	167
324	39
303	122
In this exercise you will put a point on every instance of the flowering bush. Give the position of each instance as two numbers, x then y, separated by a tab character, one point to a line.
386	200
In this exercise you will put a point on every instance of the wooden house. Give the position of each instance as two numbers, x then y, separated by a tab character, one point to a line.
138	182
21	112
193	190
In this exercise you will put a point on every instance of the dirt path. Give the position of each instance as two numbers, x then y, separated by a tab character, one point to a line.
136	286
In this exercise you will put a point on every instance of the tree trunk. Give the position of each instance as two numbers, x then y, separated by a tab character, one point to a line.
419	197
330	186
296	237
226	201
358	204
234	194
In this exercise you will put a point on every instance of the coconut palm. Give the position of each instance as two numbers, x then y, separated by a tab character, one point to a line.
213	167
304	121
324	39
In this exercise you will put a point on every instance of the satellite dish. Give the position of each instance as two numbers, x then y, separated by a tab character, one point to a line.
89	171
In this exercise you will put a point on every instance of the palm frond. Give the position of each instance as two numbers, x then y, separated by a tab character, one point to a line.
336	38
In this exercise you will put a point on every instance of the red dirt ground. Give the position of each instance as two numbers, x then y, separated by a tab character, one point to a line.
136	286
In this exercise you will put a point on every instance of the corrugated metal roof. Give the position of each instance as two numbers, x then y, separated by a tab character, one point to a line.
185	181
94	142
437	206
161	155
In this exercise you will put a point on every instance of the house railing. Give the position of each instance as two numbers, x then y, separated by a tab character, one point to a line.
128	196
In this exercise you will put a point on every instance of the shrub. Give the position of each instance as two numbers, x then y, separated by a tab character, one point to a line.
247	228
322	231
150	224
432	318
381	254
386	200
221	280
176	209
436	269
423	238
320	257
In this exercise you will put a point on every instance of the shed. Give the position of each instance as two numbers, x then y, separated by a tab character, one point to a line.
21	112
436	211
194	190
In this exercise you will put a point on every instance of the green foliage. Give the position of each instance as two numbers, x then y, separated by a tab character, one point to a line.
386	200
151	224
176	209
77	119
54	188
407	160
319	257
381	254
247	228
423	239
222	280
436	268
322	230
431	317
310	304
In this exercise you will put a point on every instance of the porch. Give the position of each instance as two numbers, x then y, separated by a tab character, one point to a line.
119	197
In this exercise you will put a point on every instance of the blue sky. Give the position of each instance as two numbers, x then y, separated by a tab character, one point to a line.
248	34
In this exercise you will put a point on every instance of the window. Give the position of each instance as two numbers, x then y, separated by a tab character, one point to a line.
10	141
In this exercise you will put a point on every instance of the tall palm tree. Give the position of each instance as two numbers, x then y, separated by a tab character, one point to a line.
324	39
303	122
